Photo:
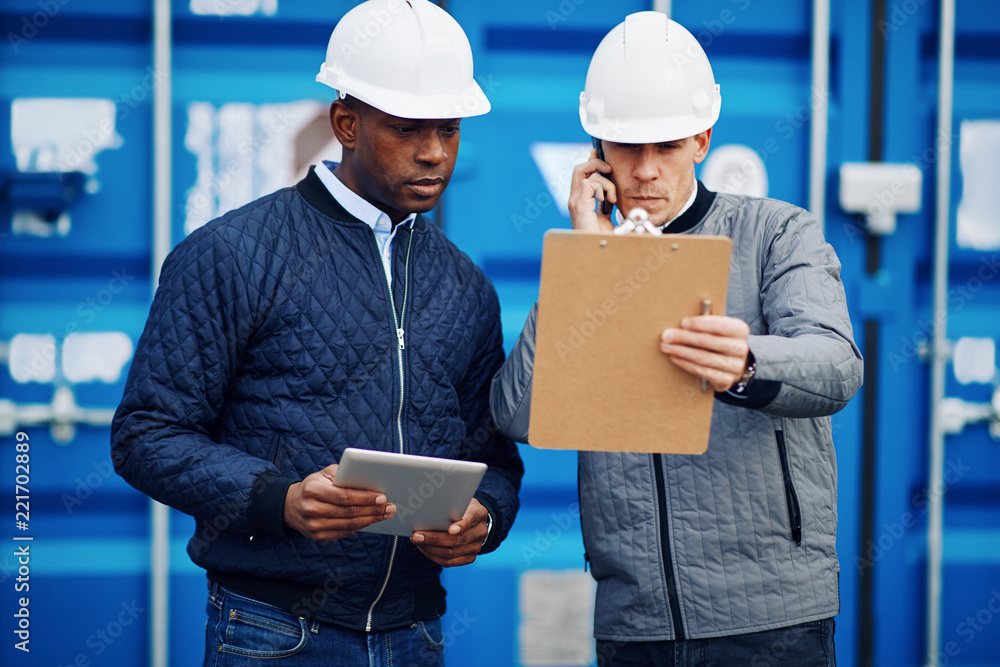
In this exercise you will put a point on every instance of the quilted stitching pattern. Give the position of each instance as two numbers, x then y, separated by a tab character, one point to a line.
737	568
271	334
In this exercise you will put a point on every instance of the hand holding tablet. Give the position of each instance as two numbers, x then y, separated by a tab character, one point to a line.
429	493
324	512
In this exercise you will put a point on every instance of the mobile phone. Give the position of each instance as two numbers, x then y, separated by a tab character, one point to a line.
599	146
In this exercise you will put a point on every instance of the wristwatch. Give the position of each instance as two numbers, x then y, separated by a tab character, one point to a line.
489	528
748	374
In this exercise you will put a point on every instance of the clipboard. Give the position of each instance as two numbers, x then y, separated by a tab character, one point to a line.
600	382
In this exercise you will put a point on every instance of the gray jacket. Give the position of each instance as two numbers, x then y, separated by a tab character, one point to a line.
742	538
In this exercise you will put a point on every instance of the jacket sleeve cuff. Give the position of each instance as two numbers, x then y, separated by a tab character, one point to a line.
497	533
266	511
758	394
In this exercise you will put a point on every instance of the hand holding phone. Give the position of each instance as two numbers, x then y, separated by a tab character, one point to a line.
592	180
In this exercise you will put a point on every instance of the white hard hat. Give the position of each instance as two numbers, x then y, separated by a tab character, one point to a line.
649	81
408	58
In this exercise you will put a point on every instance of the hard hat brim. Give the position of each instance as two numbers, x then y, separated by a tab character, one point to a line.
470	102
647	130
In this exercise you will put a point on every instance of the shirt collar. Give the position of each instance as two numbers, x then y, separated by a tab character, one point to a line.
620	218
690	201
353	203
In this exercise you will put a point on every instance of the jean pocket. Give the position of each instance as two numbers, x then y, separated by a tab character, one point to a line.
431	633
258	630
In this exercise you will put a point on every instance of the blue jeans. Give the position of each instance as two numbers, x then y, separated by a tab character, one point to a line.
806	645
241	632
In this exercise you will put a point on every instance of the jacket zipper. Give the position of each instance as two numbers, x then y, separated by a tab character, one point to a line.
791	497
400	346
668	564
579	507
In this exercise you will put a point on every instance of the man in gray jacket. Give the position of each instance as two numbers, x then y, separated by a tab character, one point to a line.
727	558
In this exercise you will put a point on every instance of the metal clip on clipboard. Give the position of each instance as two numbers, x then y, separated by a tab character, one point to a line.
638	223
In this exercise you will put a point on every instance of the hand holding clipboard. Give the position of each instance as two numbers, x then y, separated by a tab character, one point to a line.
600	380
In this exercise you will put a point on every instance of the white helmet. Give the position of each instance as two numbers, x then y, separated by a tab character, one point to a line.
649	81
408	58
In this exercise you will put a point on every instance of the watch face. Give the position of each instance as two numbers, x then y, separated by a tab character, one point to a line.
489	527
747	375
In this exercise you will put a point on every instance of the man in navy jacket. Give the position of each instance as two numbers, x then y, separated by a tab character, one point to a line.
329	315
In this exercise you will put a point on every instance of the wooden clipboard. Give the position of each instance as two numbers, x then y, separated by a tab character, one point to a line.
600	381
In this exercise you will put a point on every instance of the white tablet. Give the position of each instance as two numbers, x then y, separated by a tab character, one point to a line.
430	493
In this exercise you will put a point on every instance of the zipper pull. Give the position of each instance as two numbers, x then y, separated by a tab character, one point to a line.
399	335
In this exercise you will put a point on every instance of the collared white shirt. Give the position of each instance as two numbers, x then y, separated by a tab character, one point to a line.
365	212
620	218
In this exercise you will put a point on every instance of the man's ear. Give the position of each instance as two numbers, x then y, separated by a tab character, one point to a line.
702	140
345	121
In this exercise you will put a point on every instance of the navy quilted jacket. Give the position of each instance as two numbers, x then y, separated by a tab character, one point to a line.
271	346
